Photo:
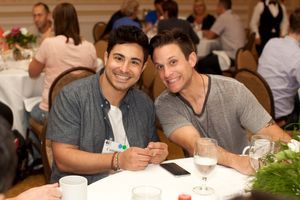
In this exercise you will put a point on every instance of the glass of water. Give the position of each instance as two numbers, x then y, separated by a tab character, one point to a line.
205	160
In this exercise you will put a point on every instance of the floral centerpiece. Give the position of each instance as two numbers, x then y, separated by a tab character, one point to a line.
18	38
280	173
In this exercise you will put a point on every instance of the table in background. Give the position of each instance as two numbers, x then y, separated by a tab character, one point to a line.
206	46
226	182
15	87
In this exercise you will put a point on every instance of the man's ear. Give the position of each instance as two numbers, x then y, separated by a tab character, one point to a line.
193	59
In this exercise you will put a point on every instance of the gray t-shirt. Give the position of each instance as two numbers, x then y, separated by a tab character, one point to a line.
228	110
79	117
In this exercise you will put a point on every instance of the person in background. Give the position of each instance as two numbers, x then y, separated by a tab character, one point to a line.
279	64
200	19
57	54
130	13
42	22
8	161
171	21
199	105
229	28
153	16
117	15
101	124
269	20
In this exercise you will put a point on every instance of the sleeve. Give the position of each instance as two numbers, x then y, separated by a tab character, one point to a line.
64	119
219	26
254	22
251	113
284	26
41	54
152	124
171	115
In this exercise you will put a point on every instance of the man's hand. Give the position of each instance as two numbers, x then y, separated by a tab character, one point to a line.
242	164
134	158
159	151
45	192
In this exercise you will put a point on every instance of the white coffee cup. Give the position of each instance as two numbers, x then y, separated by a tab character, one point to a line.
146	192
73	187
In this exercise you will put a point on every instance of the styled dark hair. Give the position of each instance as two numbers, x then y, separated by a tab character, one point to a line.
66	22
174	36
128	34
8	157
295	21
46	7
226	4
171	7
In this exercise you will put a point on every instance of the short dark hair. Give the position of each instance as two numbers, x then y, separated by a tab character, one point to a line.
174	36
295	21
158	1
8	157
171	7
226	4
128	34
46	7
66	22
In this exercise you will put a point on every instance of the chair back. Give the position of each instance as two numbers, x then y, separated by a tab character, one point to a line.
63	79
158	86
98	30
259	87
6	113
251	46
175	151
245	60
147	78
100	46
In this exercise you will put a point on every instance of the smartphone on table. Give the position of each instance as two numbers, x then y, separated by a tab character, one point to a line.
174	169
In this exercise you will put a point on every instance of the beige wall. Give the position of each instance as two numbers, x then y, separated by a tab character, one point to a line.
18	12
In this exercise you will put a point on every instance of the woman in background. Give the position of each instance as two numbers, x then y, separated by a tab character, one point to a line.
200	18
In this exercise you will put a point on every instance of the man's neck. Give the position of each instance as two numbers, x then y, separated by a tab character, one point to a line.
113	95
296	36
46	28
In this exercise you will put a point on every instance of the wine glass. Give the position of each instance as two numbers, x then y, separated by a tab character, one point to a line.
260	147
205	160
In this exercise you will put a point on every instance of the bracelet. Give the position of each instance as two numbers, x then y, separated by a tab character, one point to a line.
112	166
117	167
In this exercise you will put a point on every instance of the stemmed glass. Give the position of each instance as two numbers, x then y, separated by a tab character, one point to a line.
205	160
260	147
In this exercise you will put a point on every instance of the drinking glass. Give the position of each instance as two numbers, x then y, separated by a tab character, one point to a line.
260	147
205	160
146	192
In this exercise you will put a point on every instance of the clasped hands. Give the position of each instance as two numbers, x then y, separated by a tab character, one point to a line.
135	158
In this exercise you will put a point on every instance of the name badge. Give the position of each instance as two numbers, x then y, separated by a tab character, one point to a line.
112	146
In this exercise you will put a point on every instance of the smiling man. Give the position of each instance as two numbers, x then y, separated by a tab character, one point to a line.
200	105
100	123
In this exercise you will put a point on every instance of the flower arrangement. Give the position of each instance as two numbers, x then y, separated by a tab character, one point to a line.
18	36
280	173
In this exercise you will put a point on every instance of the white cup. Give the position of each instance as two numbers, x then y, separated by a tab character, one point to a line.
146	192
73	187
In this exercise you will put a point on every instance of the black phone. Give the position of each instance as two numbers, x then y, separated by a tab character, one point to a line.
174	169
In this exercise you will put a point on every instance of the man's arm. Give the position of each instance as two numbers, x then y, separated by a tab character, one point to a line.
69	158
186	137
209	34
274	132
35	68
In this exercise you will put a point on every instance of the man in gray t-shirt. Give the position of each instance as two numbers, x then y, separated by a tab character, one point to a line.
198	105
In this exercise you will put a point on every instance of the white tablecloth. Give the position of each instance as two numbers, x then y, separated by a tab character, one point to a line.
206	46
15	87
226	182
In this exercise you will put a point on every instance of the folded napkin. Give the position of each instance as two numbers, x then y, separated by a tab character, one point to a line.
29	103
223	58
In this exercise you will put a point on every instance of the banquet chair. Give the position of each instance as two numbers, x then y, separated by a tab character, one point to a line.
245	60
158	87
251	46
100	46
259	87
98	30
175	151
63	79
147	78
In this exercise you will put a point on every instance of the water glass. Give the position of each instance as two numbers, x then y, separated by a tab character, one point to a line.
146	192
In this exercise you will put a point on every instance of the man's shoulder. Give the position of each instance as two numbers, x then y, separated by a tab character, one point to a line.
224	82
165	97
